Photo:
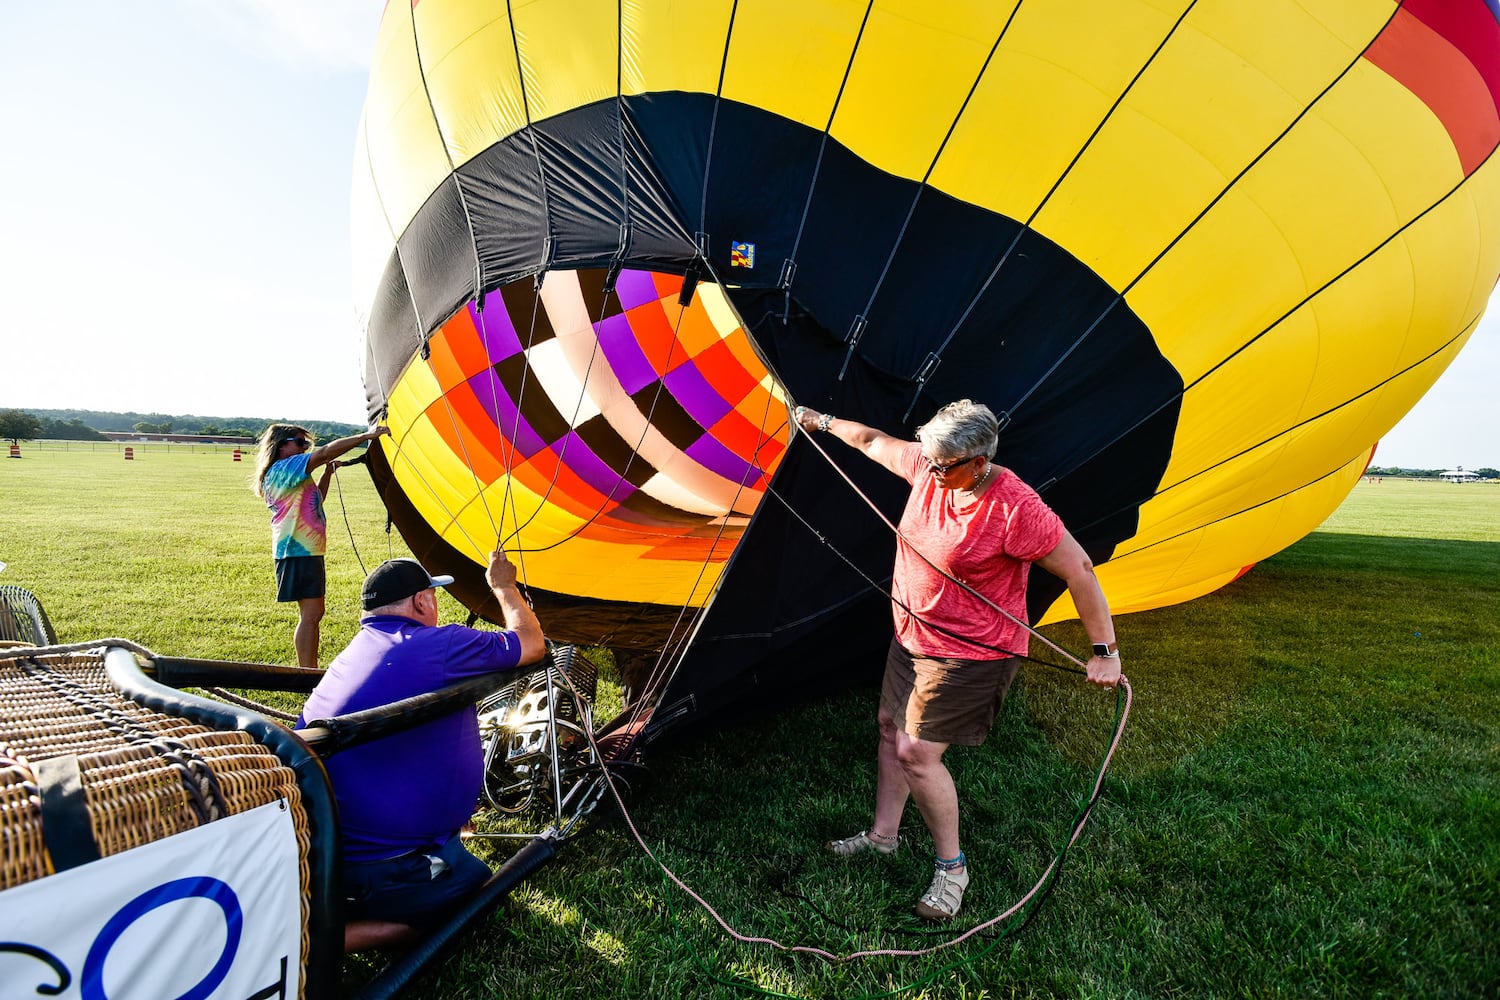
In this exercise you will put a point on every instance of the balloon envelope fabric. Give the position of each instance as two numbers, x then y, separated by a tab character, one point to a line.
1199	254
628	427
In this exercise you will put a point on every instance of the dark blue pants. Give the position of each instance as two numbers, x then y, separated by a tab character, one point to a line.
417	888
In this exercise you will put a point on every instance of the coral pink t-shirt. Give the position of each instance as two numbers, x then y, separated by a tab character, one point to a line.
989	542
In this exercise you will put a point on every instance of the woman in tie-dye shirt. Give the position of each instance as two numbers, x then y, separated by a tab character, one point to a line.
299	532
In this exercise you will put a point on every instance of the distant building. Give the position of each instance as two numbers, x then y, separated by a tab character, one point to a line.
1458	476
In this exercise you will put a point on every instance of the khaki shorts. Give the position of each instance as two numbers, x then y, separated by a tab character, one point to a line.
942	699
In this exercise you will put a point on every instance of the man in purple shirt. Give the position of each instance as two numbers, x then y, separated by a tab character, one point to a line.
404	797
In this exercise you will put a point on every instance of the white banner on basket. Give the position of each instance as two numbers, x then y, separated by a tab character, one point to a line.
213	913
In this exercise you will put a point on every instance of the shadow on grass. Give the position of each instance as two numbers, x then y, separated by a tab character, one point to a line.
1304	805
1336	623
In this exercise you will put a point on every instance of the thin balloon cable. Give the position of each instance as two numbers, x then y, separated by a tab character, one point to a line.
1024	906
661	673
887	593
1021	906
507	496
421	349
679	634
578	406
911	209
713	124
1267	331
572	426
338	485
416	473
1224	191
936	568
577	409
508	444
833	111
1204	470
1047	197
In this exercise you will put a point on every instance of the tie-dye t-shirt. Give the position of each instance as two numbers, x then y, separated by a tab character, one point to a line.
298	527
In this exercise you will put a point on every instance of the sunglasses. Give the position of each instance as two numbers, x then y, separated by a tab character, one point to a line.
944	469
300	442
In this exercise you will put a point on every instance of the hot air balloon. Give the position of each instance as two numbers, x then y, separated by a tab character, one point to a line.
1200	255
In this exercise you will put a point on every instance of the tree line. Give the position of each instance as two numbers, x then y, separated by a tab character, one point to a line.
87	425
1375	470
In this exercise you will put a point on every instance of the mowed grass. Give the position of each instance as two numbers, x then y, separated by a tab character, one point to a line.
1306	803
173	551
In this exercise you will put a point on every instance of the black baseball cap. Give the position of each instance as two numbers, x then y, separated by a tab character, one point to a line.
395	580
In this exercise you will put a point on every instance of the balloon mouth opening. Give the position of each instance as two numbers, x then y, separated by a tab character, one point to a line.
606	417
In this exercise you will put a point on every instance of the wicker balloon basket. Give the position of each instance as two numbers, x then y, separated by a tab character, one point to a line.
98	760
158	843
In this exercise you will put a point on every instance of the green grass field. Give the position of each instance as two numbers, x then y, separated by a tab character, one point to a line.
1306	803
172	550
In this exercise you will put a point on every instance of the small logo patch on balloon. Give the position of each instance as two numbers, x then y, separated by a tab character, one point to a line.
742	254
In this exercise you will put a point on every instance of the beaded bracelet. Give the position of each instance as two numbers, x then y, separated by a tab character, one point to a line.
824	421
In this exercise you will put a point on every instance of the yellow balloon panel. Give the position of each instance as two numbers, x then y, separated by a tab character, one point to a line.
438	486
1232	276
789	57
414	392
1131	588
1049	86
1468	224
1189	564
674	45
406	152
1264	250
1387	315
1276	469
370	234
469	64
610	569
576	42
1224	426
898	120
1120	207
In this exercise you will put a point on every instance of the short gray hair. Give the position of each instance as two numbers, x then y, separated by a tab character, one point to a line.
963	427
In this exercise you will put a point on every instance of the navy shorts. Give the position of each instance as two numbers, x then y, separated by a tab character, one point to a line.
298	577
417	888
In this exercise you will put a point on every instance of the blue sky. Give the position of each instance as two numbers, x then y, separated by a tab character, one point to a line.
174	219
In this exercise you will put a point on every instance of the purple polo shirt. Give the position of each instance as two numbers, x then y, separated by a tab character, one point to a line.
413	789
